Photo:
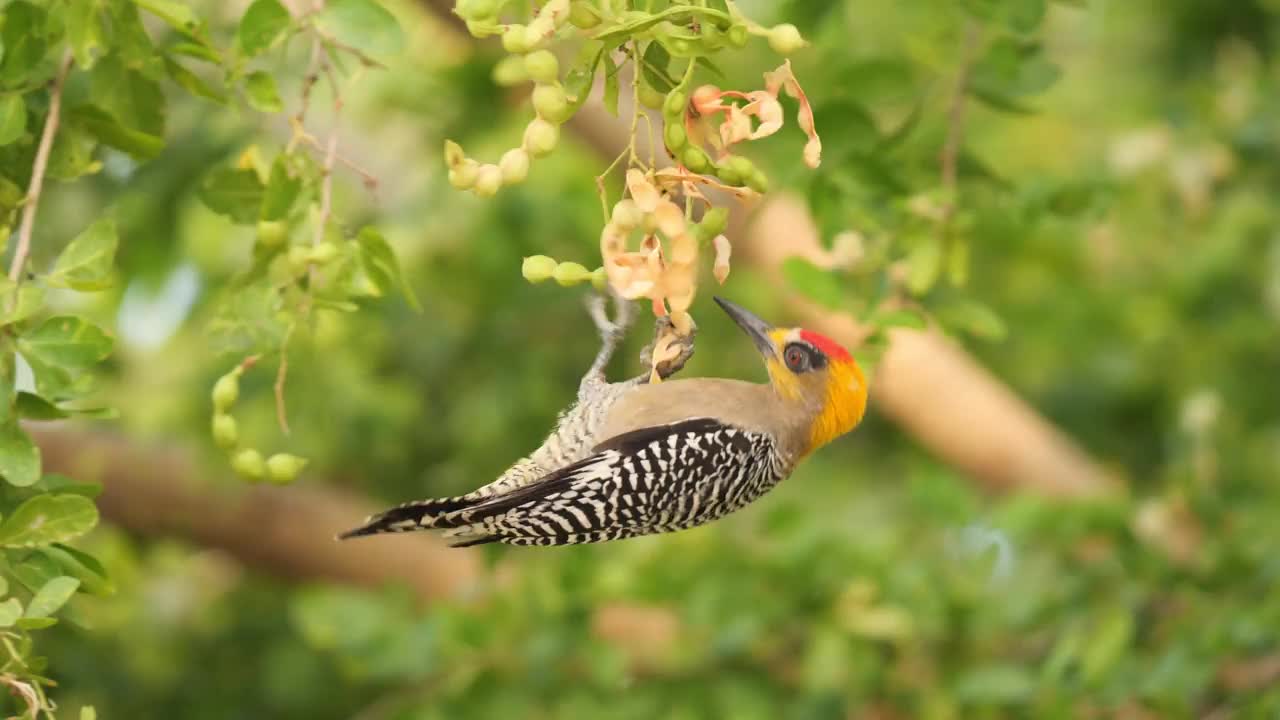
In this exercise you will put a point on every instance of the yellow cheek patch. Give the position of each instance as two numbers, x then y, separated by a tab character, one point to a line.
846	404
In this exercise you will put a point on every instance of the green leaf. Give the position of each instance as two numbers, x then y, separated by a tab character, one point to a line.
66	342
379	263
53	482
72	154
813	282
611	88
578	81
193	82
655	65
51	597
995	684
19	457
1107	646
13	118
10	611
23	38
46	519
196	51
30	300
85	33
234	192
363	24
4	585
86	263
262	23
79	564
99	124
283	187
900	318
36	623
177	14
974	318
132	98
33	407
260	87
924	265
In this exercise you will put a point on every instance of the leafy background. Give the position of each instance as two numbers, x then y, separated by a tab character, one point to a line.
1116	198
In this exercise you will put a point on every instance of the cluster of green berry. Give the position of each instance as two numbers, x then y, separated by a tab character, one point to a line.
281	468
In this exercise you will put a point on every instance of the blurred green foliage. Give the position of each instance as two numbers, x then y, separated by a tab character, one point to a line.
1121	227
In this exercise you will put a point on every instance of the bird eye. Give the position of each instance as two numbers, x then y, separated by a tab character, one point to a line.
797	359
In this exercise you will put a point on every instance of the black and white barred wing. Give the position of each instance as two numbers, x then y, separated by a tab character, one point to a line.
653	480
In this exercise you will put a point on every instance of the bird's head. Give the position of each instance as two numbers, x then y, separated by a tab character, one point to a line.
810	370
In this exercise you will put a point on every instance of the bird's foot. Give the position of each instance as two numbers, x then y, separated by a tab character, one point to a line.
669	351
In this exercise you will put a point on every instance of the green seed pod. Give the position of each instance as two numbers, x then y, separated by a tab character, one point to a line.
728	175
598	279
541	137
510	71
743	166
514	165
714	221
453	154
758	181
283	468
324	253
550	103
225	433
537	268
488	181
651	98
675	105
712	36
248	464
226	391
478	10
514	40
570	273
272	233
695	159
299	259
463	175
785	39
675	136
680	47
738	36
542	66
584	15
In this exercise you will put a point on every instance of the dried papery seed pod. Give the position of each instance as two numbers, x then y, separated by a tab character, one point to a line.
670	218
723	251
682	322
684	250
706	99
642	191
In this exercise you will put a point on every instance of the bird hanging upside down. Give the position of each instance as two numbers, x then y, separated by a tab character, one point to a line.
636	458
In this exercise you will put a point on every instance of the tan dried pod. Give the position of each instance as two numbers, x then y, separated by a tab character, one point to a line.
670	218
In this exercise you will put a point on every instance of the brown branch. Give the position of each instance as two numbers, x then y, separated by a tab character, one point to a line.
949	157
32	201
286	531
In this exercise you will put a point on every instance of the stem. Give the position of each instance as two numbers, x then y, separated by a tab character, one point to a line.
282	416
326	182
37	171
949	157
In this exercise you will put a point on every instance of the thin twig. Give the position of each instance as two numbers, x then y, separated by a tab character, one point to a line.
326	181
37	171
282	415
949	158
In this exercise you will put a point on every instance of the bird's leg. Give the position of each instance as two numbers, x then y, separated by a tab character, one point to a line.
611	334
673	350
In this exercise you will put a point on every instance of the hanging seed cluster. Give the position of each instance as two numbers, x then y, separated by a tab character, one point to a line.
248	463
650	244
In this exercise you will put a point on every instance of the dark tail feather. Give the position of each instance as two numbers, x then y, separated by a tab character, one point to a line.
421	515
482	540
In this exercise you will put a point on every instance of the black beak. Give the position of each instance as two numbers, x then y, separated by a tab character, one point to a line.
754	327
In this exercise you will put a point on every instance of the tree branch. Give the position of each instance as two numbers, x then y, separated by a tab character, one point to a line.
285	531
32	201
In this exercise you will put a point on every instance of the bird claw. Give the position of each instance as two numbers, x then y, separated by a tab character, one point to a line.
663	328
611	330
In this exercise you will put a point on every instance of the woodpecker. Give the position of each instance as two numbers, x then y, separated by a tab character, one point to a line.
637	458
